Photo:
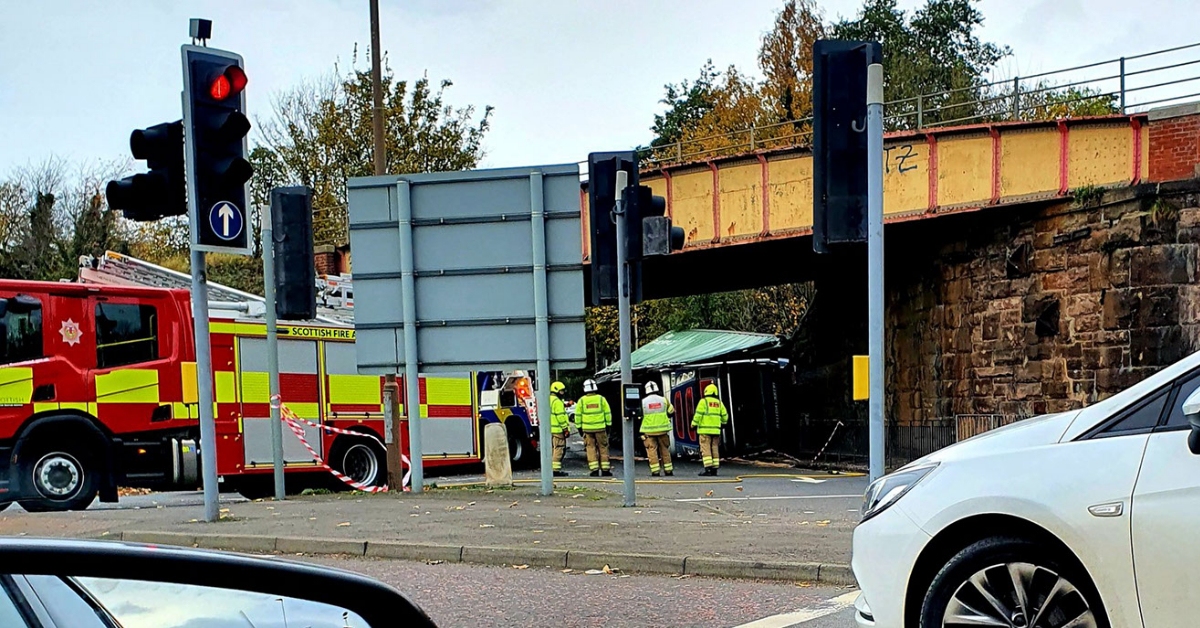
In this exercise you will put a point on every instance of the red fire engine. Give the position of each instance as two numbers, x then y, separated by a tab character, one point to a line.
98	390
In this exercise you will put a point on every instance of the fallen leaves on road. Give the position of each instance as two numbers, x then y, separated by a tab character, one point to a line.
823	523
486	525
577	496
738	488
520	566
470	503
434	562
613	523
683	576
312	518
571	520
125	491
594	572
344	524
224	510
568	570
514	504
803	523
804	585
708	494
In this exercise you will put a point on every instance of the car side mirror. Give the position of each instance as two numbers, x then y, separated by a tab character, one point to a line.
128	584
1191	410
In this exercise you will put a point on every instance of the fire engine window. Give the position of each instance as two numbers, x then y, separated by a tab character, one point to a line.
126	333
21	336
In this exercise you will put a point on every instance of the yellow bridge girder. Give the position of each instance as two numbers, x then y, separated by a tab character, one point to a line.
769	194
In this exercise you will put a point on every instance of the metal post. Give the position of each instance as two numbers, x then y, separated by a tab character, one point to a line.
752	137
875	293
204	386
542	328
1016	98
268	253
412	382
1122	85
623	323
920	112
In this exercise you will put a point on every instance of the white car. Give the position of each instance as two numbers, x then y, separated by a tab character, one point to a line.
1084	519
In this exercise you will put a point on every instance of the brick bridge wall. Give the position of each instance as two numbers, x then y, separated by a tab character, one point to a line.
1048	310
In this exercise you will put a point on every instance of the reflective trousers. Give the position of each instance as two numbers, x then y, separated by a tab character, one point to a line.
658	450
710	450
560	448
597	450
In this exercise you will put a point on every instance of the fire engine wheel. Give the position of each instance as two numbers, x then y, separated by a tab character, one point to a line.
362	464
520	450
62	480
359	459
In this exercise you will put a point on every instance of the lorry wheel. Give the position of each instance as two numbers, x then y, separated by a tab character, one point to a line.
63	481
361	460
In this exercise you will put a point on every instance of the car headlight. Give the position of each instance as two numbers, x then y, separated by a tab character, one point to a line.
888	489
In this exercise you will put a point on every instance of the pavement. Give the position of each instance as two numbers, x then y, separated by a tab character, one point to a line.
749	522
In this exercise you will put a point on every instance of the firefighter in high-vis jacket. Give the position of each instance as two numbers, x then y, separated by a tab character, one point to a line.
594	417
656	430
709	419
560	426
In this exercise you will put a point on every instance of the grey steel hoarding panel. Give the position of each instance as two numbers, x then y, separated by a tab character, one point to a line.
473	257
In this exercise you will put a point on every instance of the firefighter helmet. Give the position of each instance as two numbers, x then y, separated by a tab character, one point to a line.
710	390
589	385
651	388
557	387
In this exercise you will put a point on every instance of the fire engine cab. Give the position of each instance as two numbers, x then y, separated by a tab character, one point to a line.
98	390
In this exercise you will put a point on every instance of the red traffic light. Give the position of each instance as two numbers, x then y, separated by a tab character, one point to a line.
229	83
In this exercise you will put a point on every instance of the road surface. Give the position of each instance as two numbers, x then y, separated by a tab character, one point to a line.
483	596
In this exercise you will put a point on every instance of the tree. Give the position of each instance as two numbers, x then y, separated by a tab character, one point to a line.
50	216
933	59
786	60
320	135
687	104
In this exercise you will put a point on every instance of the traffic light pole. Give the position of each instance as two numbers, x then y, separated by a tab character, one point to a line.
627	464
204	384
268	255
875	294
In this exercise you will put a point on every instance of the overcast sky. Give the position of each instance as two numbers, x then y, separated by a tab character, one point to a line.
566	77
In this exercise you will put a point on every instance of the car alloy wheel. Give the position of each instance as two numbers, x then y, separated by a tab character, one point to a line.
1018	595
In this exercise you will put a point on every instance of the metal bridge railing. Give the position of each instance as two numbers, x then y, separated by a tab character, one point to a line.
1121	85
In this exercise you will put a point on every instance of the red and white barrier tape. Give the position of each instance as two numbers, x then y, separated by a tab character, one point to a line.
295	424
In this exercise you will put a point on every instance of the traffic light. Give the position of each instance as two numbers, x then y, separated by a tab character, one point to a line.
840	140
216	126
658	235
602	180
163	190
291	231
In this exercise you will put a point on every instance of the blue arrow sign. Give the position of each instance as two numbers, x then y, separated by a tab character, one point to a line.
226	220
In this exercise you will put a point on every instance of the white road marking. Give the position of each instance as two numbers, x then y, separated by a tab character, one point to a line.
809	480
827	607
745	499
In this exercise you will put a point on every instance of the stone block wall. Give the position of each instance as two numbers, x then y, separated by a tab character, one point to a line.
1047	310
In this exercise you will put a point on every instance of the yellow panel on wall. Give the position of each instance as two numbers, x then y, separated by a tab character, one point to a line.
691	204
1099	155
1028	162
741	200
790	188
905	176
964	170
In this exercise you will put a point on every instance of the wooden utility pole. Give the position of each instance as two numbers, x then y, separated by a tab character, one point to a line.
391	390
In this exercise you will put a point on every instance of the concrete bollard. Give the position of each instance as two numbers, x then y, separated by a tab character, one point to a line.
496	463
